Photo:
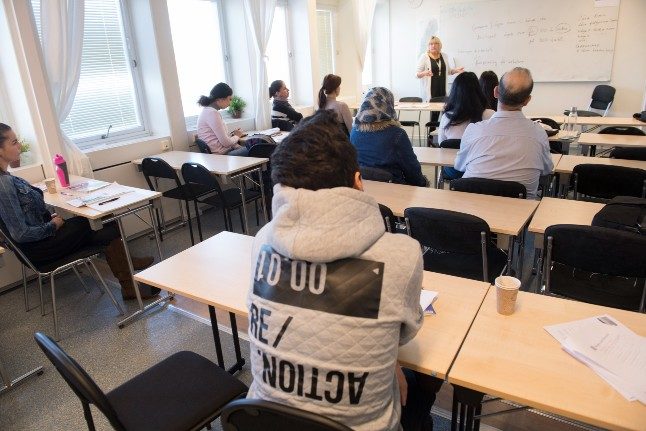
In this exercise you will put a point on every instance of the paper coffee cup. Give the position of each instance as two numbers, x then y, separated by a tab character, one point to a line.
50	183
506	293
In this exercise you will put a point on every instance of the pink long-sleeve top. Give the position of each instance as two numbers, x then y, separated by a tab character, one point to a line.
212	129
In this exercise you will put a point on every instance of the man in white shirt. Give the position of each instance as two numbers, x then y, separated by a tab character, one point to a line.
508	146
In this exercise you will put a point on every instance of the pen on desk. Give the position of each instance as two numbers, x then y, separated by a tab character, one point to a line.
109	200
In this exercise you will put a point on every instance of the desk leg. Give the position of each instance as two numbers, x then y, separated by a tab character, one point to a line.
137	314
262	194
9	384
240	361
245	227
510	252
437	177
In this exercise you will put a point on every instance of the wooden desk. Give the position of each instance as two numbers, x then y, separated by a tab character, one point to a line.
513	357
217	272
446	156
567	163
234	167
504	215
553	211
409	106
612	140
599	121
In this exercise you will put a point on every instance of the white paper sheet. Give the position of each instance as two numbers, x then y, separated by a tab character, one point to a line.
426	300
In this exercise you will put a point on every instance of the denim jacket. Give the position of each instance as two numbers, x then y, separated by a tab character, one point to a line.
23	210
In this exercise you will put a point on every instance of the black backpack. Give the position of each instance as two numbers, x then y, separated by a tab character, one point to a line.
623	213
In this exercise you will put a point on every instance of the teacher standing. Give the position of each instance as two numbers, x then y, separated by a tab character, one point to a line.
432	70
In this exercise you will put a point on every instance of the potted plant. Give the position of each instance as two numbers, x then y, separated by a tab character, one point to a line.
24	148
236	106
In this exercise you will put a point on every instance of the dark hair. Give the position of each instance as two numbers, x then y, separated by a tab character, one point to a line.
316	155
489	81
466	101
275	87
3	129
220	91
330	83
518	93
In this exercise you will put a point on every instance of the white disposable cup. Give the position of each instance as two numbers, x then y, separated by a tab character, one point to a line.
506	293
50	183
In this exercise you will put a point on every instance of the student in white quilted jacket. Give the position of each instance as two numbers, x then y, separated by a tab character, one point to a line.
333	295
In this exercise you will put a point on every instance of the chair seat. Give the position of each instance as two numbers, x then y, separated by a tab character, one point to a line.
145	403
232	197
409	123
191	192
465	265
609	291
80	254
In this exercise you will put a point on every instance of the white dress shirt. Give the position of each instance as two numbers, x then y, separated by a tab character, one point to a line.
506	147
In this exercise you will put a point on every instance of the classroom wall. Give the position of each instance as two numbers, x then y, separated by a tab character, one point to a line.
628	71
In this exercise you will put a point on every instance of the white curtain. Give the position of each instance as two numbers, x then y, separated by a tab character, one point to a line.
62	24
364	12
259	15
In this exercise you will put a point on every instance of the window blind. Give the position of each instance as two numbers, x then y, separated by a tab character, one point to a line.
106	96
325	42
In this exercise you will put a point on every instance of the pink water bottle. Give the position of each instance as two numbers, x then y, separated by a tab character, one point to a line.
61	170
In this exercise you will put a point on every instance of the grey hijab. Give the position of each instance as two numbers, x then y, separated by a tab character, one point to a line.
377	111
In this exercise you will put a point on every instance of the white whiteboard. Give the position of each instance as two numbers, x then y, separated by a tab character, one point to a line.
557	40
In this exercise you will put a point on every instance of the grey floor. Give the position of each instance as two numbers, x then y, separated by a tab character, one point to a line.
110	355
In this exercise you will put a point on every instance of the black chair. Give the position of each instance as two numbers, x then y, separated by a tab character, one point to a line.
449	174
616	130
595	264
412	123
252	415
202	146
389	218
197	176
265	151
435	122
606	182
628	153
259	139
455	243
486	186
154	168
375	174
52	268
602	98
183	392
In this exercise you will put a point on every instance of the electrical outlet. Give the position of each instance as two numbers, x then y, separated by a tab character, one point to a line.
165	145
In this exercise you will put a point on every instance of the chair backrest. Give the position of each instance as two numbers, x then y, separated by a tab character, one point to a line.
194	173
411	99
389	218
616	130
262	150
486	186
606	182
77	378
154	167
450	143
628	153
602	97
438	99
251	415
449	231
375	174
202	146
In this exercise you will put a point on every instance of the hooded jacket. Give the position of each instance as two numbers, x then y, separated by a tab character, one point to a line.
333	297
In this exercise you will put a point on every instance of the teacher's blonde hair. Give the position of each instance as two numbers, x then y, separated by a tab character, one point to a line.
431	40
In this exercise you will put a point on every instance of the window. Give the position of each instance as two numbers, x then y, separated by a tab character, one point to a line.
367	76
199	49
278	49
326	42
106	97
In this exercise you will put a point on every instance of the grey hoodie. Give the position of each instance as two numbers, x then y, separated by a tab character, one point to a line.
332	298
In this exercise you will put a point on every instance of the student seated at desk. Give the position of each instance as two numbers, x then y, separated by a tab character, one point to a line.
330	90
212	129
380	140
508	146
283	115
333	295
44	237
